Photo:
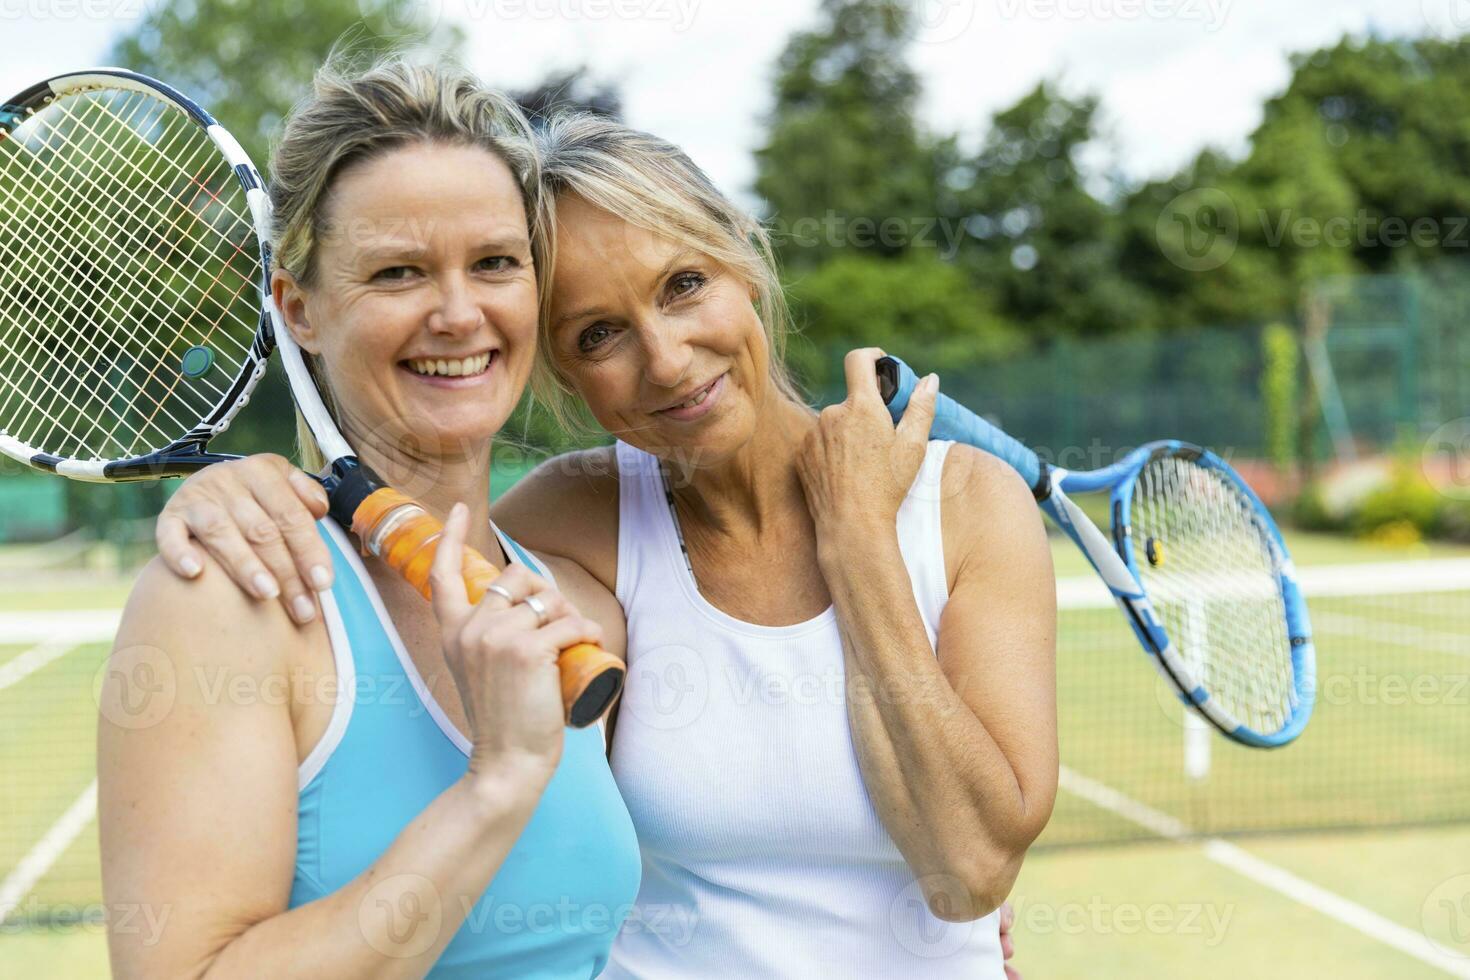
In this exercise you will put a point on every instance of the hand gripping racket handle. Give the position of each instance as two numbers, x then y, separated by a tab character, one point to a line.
896	381
405	536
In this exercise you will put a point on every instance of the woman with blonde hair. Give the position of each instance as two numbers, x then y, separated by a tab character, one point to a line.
391	791
838	736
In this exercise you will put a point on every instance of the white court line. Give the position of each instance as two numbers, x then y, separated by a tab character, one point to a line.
72	625
39	859
1263	872
1398	634
23	665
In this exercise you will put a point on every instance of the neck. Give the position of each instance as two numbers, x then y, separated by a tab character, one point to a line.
437	483
758	485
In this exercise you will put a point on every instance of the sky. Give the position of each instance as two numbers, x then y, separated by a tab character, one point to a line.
1173	76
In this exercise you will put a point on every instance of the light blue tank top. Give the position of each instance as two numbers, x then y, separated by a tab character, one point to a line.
557	902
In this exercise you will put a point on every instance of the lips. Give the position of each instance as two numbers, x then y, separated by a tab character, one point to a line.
696	403
451	367
695	397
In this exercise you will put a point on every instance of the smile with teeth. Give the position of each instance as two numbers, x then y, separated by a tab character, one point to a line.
453	368
698	398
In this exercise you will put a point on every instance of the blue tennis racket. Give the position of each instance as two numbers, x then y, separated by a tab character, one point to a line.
1194	561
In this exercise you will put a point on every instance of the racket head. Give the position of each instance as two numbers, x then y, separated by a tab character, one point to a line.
1224	614
134	314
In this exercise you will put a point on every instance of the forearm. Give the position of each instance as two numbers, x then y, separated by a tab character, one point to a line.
394	919
945	791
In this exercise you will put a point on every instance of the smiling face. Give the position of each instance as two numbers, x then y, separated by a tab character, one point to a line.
663	343
423	304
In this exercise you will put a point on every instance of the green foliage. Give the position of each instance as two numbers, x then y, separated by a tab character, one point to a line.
1409	499
249	61
920	307
843	146
1279	394
1038	239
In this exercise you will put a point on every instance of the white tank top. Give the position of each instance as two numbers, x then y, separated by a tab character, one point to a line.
762	853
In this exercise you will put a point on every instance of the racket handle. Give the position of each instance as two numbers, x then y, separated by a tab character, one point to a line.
405	536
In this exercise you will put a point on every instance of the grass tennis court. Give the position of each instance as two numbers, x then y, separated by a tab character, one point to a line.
1106	893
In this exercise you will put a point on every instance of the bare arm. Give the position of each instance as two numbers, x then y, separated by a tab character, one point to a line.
958	751
256	518
568	506
198	793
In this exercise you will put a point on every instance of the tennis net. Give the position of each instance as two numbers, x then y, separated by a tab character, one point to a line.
1388	744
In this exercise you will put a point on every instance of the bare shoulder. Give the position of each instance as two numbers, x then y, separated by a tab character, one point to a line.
208	619
568	506
989	514
591	598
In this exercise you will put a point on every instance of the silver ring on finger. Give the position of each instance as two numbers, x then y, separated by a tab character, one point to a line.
501	591
539	608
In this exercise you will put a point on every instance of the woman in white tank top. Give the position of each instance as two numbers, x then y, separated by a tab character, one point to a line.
838	735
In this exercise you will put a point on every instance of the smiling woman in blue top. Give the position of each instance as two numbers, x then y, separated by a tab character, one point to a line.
391	792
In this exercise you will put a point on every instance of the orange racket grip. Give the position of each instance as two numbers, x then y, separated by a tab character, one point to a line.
405	536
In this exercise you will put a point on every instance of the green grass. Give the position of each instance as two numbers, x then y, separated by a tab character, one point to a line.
1376	752
1306	548
1084	913
1389	739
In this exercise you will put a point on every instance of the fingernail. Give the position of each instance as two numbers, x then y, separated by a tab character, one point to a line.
265	586
931	382
321	579
190	565
303	608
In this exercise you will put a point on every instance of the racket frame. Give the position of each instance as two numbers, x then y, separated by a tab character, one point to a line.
189	452
1114	560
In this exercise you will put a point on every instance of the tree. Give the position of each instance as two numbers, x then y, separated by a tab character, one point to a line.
844	152
922	308
1037	237
249	62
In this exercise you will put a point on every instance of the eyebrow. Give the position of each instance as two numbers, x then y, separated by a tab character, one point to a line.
678	258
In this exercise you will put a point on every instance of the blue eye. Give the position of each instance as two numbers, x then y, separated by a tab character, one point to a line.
497	263
394	273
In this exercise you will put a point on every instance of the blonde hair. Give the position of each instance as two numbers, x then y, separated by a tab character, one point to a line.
651	184
353	117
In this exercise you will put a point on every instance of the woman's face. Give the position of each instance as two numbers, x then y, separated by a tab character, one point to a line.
424	307
662	342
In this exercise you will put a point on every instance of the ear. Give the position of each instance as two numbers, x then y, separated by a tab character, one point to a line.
291	300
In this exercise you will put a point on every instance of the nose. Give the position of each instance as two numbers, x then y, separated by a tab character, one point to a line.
457	314
667	353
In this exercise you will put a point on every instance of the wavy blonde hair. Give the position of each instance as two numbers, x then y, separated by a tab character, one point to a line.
352	117
651	184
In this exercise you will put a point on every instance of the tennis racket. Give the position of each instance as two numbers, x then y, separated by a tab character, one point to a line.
1194	561
136	316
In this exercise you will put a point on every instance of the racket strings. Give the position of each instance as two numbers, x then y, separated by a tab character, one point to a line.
77	287
125	243
1213	576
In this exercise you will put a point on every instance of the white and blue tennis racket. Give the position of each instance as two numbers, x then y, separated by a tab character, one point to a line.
136	316
1195	562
